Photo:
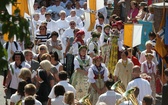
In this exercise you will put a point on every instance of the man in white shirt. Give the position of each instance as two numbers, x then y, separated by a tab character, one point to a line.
56	9
68	34
79	11
142	84
68	8
42	13
51	24
110	96
63	81
62	23
75	18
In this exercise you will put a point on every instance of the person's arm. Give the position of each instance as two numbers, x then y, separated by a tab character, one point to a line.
8	79
96	88
49	101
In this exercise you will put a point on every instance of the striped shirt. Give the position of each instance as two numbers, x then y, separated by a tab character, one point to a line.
43	38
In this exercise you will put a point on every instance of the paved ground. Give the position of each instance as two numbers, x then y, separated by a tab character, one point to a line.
3	102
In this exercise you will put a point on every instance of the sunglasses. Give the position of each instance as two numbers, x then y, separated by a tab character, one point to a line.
72	23
42	49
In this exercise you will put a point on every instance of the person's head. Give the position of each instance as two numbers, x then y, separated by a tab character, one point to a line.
151	9
28	55
20	89
54	36
149	57
77	5
73	13
62	14
69	97
142	5
48	16
72	24
44	23
83	50
166	74
46	65
63	75
43	30
36	5
97	60
42	49
101	19
69	5
85	5
120	25
18	56
57	2
136	71
36	16
95	35
29	100
99	28
152	35
148	45
42	76
134	4
29	46
59	90
45	56
124	55
129	50
30	89
109	83
107	28
147	100
25	74
43	10
54	57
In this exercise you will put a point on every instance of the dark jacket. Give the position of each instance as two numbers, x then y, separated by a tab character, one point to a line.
165	94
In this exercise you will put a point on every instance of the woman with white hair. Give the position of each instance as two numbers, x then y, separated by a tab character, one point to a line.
47	66
149	49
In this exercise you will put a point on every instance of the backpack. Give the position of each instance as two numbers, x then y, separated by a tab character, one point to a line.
7	44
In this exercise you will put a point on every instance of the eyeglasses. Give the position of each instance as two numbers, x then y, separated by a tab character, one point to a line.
42	29
42	49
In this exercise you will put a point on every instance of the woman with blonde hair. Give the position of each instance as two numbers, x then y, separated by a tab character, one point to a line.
69	98
42	49
25	74
46	56
46	65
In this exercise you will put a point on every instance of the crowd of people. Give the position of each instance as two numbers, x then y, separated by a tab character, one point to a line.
65	62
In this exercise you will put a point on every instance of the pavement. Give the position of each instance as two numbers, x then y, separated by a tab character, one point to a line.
3	100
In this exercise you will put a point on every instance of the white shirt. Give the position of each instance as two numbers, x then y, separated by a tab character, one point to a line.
65	84
14	71
57	101
67	34
57	10
79	12
61	24
130	103
143	85
42	17
36	102
12	47
109	98
68	11
16	97
52	26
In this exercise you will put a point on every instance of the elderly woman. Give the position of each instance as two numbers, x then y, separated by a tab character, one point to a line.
15	67
97	74
149	47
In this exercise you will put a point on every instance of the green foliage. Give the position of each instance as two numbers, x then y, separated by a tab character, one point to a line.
12	25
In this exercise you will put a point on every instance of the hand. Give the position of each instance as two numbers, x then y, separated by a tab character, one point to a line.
5	90
64	55
99	91
38	41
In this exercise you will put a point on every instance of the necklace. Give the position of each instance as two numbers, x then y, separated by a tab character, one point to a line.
124	63
149	65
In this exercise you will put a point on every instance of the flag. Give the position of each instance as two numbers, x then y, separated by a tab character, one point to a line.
132	34
25	6
166	30
146	29
160	47
90	17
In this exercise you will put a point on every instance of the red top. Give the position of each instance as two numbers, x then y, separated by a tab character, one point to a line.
135	61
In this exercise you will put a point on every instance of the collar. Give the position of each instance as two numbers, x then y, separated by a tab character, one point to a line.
48	20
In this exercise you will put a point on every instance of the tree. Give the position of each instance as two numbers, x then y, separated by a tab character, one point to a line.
12	25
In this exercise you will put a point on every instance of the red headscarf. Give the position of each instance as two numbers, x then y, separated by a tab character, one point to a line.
79	37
